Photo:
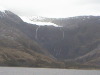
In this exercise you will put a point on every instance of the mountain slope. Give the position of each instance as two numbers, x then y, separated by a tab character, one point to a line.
17	48
72	42
77	39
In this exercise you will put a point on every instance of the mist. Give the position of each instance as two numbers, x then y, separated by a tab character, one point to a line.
52	8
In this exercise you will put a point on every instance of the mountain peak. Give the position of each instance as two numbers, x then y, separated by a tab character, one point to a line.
2	9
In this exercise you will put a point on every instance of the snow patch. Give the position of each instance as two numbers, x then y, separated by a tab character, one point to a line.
36	18
26	19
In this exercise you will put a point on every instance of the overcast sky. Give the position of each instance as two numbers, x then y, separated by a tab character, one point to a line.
52	8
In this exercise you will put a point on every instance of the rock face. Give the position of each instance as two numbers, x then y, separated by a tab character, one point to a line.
22	44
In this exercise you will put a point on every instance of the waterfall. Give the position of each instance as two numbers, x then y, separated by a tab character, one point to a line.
63	33
36	35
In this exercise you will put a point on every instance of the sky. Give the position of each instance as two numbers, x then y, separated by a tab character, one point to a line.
52	8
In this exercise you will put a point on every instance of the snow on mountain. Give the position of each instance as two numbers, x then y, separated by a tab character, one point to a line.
2	9
3	12
28	20
36	18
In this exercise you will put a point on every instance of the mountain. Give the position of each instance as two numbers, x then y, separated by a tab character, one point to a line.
49	42
17	48
76	38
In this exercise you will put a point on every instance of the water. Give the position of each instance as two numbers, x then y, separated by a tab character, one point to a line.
36	36
43	71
